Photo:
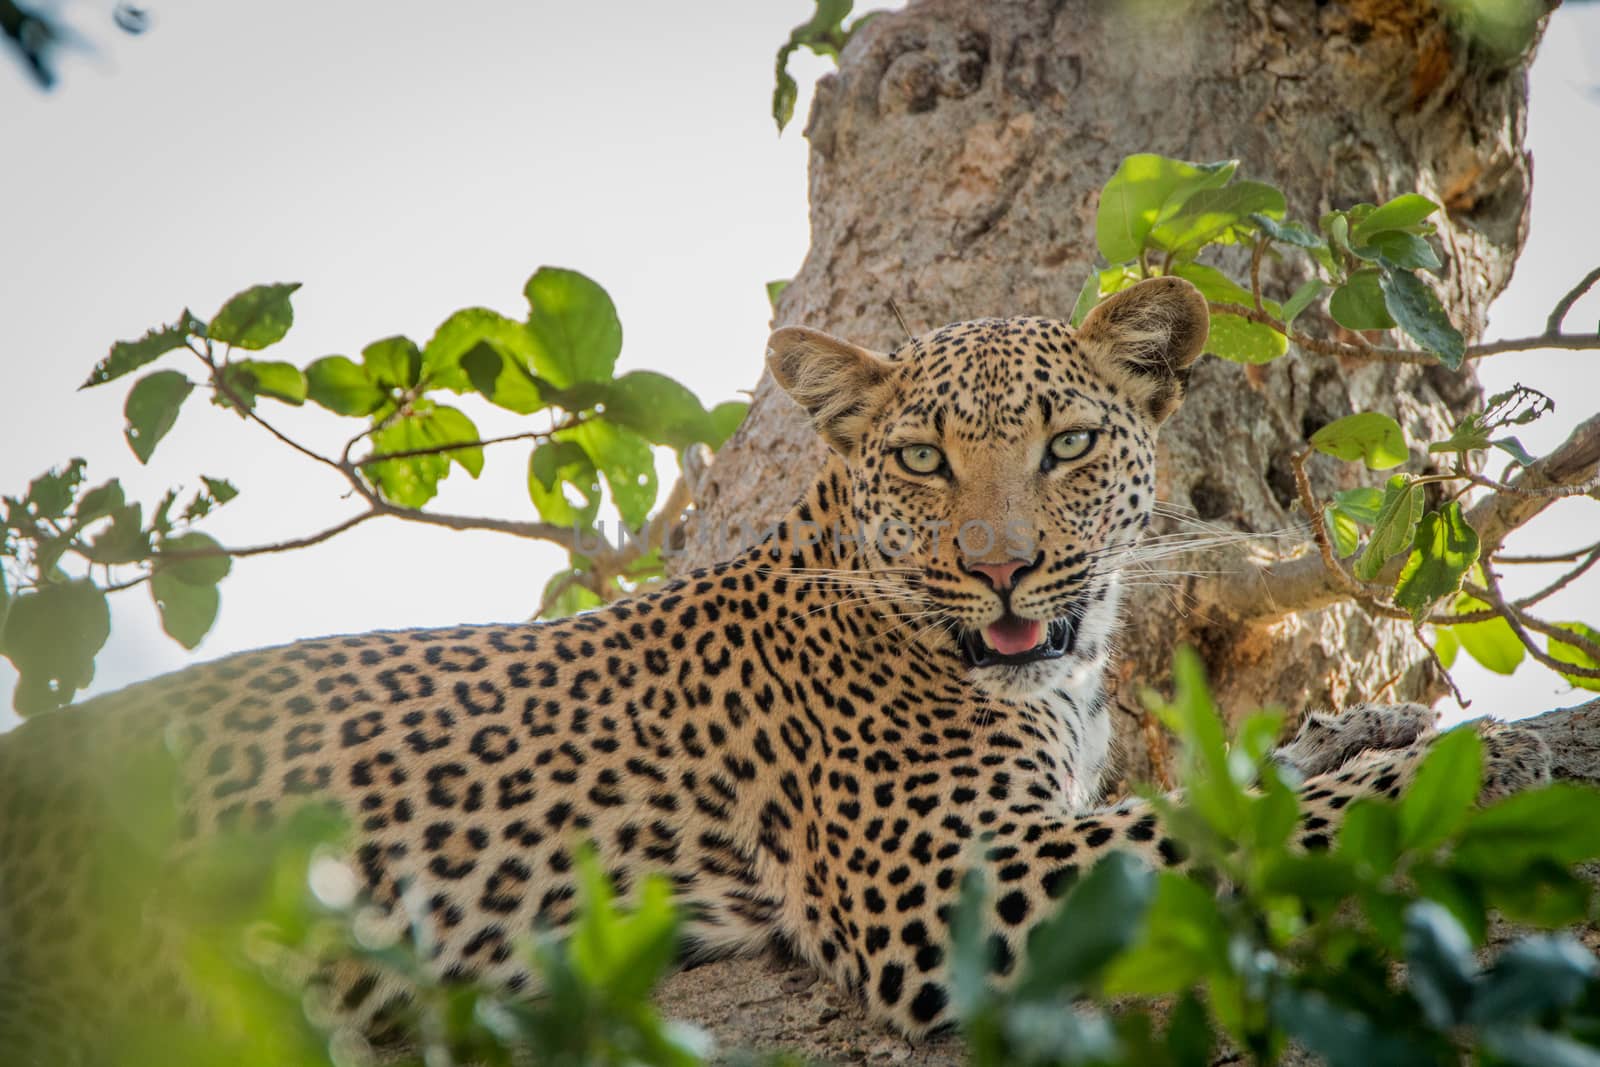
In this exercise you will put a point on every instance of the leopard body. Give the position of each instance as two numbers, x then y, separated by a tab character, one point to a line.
797	738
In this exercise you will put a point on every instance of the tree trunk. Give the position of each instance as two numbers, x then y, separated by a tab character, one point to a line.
955	161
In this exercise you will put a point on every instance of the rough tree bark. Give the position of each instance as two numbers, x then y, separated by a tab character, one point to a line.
956	158
955	161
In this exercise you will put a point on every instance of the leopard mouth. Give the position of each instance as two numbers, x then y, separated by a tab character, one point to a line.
1011	641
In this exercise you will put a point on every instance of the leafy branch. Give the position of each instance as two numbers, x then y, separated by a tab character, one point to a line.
1494	629
1419	549
66	546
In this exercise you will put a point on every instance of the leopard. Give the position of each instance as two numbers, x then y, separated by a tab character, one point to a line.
812	742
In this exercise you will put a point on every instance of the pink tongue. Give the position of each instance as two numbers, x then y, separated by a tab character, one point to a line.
1012	635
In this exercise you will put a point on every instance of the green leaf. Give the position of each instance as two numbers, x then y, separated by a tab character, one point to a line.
152	409
1446	785
1341	1037
461	333
128	356
99	502
661	410
573	326
558	463
1303	298
1439	963
221	489
51	636
1192	715
209	568
1493	643
1369	436
446	425
1336	226
823	34
502	380
775	292
1359	303
393	363
1310	878
1088	297
1370	836
1469	434
1342	530
216	493
724	419
1392	532
1541	893
1361	504
1145	190
629	467
1513	448
258	317
1217	215
50	494
1566	653
1099	919
1218	287
1289	233
125	540
1401	250
341	385
1403	211
1534	975
1183	939
1462	895
573	598
1558	822
1523	1046
412	481
1444	549
1446	645
281	381
1242	341
187	610
1420	315
969	952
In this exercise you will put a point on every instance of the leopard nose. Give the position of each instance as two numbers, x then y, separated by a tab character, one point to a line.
1001	575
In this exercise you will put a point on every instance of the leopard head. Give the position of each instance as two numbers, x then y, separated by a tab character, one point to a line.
999	470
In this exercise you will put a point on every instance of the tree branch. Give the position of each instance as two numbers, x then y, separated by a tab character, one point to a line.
1552	325
1382	354
1304	583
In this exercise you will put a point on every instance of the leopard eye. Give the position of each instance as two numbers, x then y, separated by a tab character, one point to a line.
1073	444
920	459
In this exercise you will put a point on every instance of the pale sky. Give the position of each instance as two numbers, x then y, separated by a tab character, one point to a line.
405	159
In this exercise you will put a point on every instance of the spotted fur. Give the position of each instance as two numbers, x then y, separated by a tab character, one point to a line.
795	738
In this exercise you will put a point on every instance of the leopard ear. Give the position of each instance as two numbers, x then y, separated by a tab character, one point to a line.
1145	337
838	383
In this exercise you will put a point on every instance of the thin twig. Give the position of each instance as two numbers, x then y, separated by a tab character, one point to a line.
1552	325
1562	582
1564	557
249	411
1520	625
1444	672
445	449
1583	488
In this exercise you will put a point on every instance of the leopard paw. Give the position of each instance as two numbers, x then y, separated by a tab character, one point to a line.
1514	759
1327	741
